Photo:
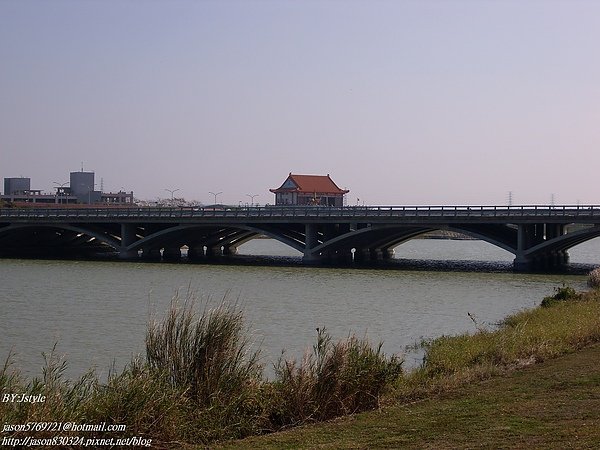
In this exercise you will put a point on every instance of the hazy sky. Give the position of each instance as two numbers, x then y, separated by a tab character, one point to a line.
402	102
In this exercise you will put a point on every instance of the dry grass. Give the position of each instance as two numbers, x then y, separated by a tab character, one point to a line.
594	279
335	379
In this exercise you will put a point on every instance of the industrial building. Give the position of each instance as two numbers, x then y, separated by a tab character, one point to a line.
79	192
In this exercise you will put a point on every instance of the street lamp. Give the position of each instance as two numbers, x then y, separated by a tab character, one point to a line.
252	198
215	194
61	185
172	191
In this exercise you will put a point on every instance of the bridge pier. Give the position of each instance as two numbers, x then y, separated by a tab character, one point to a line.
196	253
531	235
214	252
523	264
151	254
128	237
550	260
230	250
171	253
312	240
382	254
362	255
339	257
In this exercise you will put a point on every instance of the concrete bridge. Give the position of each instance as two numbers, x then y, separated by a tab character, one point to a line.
536	235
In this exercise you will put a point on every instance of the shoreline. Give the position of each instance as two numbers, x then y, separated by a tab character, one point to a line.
570	321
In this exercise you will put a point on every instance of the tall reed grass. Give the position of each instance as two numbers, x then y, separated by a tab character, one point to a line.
208	358
594	278
201	382
208	355
335	379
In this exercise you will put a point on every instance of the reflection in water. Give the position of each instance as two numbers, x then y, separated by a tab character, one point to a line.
97	311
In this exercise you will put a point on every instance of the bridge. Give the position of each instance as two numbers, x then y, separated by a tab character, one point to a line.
538	236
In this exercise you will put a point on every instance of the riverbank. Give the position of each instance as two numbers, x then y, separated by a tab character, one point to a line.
199	383
533	382
554	404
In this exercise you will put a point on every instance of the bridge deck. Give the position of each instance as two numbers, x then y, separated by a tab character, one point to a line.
536	235
513	214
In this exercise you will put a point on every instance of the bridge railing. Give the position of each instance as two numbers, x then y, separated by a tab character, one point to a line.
252	212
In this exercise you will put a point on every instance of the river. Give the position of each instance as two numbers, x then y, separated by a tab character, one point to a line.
97	311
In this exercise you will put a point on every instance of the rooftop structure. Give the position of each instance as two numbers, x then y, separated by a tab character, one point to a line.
309	190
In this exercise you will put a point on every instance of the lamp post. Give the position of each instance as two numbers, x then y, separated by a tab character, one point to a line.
172	191
215	194
252	198
61	185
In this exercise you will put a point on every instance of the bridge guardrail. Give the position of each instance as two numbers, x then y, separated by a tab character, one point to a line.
303	212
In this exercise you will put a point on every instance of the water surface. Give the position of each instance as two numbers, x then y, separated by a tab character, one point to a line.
97	311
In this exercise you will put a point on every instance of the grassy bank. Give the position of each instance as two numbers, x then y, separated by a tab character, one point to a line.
468	392
200	383
554	405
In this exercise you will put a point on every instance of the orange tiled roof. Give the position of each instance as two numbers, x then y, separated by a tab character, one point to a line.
322	184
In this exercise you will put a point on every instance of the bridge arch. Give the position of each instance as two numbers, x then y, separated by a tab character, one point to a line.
386	237
103	236
217	235
565	241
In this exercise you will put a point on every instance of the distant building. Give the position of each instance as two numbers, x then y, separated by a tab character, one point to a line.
16	186
117	198
18	190
36	196
309	190
82	186
80	191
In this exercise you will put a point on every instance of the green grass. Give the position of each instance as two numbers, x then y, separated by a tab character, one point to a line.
553	405
468	393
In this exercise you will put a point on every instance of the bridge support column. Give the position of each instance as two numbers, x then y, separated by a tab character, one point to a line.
362	255
214	252
523	264
172	253
376	254
382	254
554	259
128	237
554	230
230	250
550	260
196	253
312	241
151	254
563	257
341	257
